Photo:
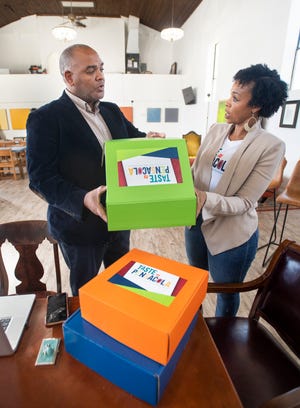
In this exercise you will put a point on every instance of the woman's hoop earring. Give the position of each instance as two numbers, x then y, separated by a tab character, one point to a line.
250	124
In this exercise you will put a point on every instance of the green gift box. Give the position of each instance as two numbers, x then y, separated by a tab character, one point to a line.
149	184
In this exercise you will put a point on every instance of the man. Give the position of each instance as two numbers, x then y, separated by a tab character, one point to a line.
65	159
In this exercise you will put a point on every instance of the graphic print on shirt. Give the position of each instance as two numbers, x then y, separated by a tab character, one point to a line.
224	155
219	161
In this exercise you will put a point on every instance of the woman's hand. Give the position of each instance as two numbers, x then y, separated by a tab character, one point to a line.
201	198
152	135
92	202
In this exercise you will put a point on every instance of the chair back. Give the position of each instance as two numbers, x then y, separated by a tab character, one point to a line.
193	141
277	179
7	157
278	301
19	139
293	185
6	143
9	163
26	236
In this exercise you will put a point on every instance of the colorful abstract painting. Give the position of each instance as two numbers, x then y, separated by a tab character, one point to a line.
153	115
19	117
3	120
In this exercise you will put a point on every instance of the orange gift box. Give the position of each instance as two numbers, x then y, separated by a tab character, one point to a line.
145	301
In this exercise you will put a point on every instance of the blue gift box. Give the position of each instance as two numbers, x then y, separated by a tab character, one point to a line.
126	368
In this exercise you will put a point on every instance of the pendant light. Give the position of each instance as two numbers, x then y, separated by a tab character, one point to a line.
65	31
172	33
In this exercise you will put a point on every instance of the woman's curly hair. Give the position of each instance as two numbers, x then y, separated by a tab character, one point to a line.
269	92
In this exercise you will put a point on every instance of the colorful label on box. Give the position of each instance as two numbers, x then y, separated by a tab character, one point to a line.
156	168
150	282
154	280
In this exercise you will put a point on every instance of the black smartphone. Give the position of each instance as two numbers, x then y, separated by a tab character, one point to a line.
57	309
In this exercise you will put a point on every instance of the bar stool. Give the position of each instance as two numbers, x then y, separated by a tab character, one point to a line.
272	189
289	196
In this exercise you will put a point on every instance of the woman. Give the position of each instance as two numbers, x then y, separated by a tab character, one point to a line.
233	168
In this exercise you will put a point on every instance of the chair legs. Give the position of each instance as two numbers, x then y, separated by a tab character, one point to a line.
273	237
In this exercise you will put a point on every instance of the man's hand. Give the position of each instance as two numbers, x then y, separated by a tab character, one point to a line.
201	198
152	135
92	202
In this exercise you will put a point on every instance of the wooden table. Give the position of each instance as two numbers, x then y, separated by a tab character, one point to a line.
200	378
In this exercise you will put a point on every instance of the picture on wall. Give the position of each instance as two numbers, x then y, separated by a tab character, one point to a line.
171	114
173	69
132	63
3	120
18	118
221	112
289	114
153	115
127	112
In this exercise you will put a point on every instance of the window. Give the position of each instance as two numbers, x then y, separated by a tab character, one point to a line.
295	80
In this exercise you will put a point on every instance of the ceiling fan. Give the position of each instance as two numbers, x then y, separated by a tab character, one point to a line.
66	31
76	20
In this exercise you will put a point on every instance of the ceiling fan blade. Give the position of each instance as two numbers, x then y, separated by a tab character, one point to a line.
79	24
65	23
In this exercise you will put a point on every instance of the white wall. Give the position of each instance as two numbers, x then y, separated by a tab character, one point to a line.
291	136
263	31
139	91
29	41
260	31
155	52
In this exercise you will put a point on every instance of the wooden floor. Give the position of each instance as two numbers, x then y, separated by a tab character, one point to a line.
17	202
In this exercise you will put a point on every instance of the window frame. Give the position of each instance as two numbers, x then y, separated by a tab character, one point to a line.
295	63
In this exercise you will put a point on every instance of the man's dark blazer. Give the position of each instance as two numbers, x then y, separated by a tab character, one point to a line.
64	160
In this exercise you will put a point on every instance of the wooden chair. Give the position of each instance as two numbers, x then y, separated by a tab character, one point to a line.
6	143
20	150
275	185
193	141
272	192
19	139
26	236
290	399
290	196
9	163
260	367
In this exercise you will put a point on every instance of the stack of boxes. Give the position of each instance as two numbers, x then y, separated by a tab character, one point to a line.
136	317
135	320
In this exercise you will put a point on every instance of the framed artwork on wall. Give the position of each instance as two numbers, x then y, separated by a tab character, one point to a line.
127	112
3	120
221	112
19	117
289	114
153	114
132	63
171	114
173	69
